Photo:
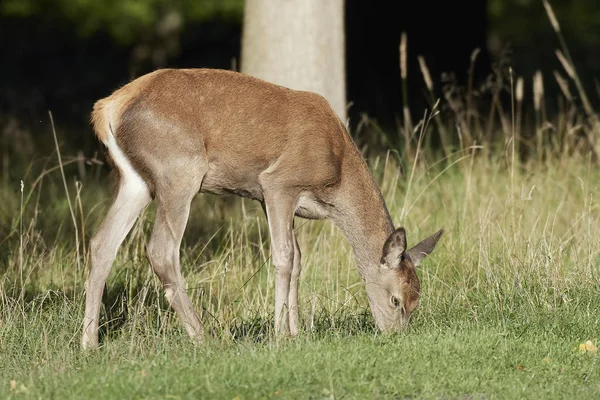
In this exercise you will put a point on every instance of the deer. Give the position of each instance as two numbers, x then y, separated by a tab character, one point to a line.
174	133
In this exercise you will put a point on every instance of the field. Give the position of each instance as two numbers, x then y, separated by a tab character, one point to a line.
510	296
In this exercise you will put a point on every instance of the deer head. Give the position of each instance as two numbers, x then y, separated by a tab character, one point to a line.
394	289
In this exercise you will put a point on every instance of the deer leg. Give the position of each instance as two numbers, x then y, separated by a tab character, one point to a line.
280	216
163	252
131	199
293	295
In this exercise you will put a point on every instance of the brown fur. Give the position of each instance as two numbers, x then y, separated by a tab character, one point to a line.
407	274
106	112
219	116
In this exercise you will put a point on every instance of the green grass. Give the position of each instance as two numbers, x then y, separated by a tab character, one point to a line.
522	358
509	294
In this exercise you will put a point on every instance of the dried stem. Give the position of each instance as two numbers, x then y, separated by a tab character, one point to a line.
64	179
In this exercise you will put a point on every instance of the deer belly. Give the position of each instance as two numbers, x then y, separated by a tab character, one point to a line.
224	180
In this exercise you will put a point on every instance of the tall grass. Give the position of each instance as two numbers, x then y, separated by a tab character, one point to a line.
517	202
515	243
519	239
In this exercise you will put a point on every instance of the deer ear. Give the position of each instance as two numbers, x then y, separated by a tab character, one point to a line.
394	248
424	248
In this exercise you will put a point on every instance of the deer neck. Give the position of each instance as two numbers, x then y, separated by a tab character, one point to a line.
362	216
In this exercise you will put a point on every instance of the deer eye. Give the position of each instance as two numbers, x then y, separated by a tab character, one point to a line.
395	301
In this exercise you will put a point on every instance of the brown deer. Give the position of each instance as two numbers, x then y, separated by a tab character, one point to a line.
176	132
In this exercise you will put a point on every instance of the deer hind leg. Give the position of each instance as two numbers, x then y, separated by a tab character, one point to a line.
173	208
279	208
293	295
132	197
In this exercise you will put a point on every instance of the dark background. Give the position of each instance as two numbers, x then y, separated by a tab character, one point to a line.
62	55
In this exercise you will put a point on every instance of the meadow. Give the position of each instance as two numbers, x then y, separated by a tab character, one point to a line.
510	296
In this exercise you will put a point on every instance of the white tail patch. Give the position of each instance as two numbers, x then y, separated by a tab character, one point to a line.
130	179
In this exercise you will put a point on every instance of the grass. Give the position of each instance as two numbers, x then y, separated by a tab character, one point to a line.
520	359
509	296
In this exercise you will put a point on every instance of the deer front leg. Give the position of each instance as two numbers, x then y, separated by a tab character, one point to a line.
279	209
293	295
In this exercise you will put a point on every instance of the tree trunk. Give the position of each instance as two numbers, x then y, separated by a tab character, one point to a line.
298	44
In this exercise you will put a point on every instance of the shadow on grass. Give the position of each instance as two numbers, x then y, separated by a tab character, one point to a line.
261	329
119	312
